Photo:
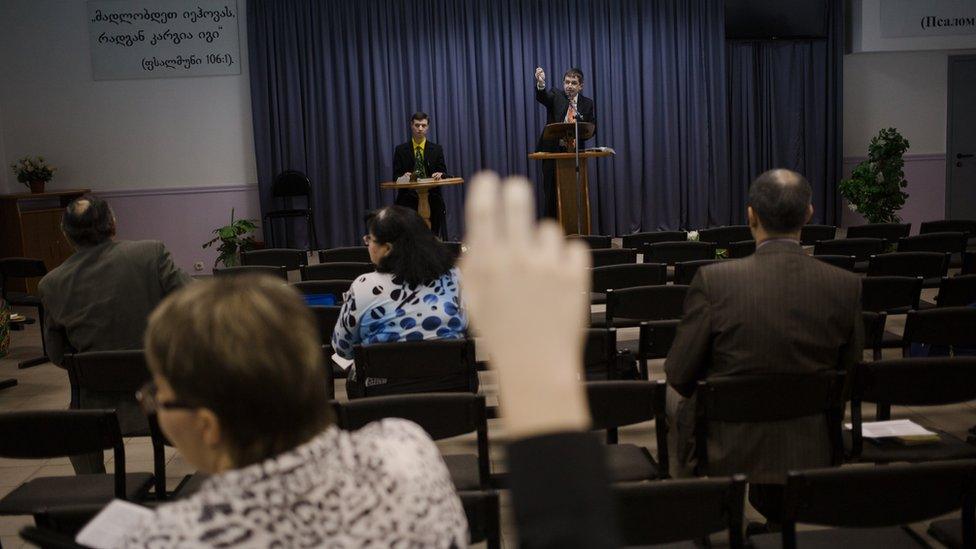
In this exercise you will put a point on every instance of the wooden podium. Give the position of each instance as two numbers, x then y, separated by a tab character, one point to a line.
568	198
423	191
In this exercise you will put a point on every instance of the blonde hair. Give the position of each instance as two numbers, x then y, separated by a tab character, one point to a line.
247	348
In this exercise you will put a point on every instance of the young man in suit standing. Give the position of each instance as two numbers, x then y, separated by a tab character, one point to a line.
567	105
423	159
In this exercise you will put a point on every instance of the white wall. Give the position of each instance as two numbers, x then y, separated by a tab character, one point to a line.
120	134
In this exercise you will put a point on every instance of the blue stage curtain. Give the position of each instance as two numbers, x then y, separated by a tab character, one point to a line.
333	84
785	104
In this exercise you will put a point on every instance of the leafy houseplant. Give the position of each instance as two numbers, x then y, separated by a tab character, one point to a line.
233	238
33	172
875	187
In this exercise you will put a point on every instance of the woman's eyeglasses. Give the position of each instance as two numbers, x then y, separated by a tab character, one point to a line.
146	397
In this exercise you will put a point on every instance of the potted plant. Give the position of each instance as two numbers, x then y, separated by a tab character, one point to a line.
874	189
33	172
233	238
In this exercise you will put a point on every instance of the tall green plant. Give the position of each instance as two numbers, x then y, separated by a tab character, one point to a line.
874	189
234	238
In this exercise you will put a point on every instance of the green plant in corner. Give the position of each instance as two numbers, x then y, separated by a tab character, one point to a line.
874	189
233	238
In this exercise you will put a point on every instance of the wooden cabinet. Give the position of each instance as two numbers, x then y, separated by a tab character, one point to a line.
30	226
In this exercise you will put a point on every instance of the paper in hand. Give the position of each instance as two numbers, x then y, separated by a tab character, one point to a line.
116	521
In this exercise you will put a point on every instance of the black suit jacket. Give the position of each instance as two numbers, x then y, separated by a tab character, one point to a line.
403	159
557	103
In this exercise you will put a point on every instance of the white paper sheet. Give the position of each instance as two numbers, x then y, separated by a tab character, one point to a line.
893	428
343	363
117	520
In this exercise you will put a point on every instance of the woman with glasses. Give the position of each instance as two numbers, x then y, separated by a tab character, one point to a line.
413	295
238	386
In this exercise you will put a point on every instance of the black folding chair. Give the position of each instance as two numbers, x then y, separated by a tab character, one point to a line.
61	433
680	510
613	256
723	236
674	252
684	271
860	248
352	254
957	291
741	248
810	234
279	272
636	240
868	506
482	510
600	354
24	268
890	232
336	271
625	276
945	242
436	365
288	258
945	327
931	266
288	186
627	307
846	262
615	404
910	382
594	241
654	342
442	416
967	226
890	294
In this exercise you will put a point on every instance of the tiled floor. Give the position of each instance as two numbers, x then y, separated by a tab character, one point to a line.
46	387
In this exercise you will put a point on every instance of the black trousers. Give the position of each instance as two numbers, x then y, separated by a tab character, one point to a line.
438	210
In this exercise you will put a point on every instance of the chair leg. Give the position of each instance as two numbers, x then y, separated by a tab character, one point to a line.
7	383
32	362
313	239
40	321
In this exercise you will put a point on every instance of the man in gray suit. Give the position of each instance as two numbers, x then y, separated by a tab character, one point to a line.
777	311
100	298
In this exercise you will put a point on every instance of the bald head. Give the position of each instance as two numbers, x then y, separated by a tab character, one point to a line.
781	200
88	221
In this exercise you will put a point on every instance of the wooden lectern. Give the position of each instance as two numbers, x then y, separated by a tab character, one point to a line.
572	203
423	188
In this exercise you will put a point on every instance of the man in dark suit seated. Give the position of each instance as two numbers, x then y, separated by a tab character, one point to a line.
100	298
419	158
778	311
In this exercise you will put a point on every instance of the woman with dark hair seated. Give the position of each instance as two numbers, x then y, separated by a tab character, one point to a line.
238	386
413	295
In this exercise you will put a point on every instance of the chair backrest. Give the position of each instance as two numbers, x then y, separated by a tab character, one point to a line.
923	264
600	353
946	242
967	226
890	294
237	270
351	254
890	232
291	183
845	262
336	271
646	303
418	366
723	236
741	248
870	497
19	267
613	256
655	339
637	239
673	252
288	258
860	248
874	327
326	316
949	326
335	288
684	271
615	404
594	241
627	276
928	381
810	234
679	510
119	372
957	291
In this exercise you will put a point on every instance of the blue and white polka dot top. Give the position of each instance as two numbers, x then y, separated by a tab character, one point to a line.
382	309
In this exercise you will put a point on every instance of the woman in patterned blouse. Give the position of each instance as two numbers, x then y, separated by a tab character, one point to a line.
239	388
413	295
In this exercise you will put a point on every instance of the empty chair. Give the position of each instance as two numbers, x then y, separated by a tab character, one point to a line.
594	241
276	257
442	416
336	271
625	276
613	256
323	292
860	248
868	505
889	232
484	517
890	294
24	268
810	234
615	404
942	328
957	291
931	266
600	353
723	236
636	240
911	382
967	226
874	330
673	252
288	186
352	254
741	248
654	342
435	365
629	306
684	271
237	270
61	433
652	513
947	243
846	262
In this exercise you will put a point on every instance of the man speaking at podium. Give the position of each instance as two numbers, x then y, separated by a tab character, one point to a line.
421	159
561	106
